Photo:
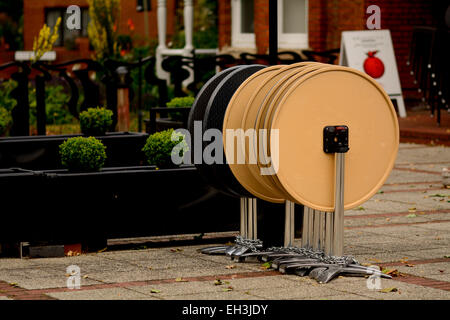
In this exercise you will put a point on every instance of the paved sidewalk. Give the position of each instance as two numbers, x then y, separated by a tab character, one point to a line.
404	228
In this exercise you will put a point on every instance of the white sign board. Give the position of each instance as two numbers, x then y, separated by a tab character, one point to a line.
372	52
28	55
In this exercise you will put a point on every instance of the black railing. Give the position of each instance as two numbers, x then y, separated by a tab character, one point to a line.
430	66
112	75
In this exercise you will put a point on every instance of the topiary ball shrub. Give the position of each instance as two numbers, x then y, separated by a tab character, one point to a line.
179	102
5	121
95	121
82	154
159	148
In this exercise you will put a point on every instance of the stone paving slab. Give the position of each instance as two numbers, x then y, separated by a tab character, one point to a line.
101	294
401	176
230	295
430	253
423	154
405	291
247	288
428	270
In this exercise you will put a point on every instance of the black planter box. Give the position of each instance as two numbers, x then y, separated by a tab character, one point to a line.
42	152
114	203
162	124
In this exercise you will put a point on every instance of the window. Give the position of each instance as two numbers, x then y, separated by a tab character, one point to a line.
140	5
292	23
242	24
66	36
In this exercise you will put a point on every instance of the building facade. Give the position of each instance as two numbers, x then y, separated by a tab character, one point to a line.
317	25
243	24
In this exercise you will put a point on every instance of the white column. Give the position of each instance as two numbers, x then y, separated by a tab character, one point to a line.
188	25
188	32
162	25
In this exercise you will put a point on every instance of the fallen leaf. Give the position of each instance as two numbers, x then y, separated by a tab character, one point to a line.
412	215
155	291
390	272
409	265
388	219
102	250
266	265
85	276
447	256
386	290
360	208
413	209
232	266
229	288
180	280
176	250
14	284
380	192
218	282
149	268
437	195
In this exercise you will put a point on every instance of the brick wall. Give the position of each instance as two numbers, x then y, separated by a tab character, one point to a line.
317	24
224	21
261	25
34	18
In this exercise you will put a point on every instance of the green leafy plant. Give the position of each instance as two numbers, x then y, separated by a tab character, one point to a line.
6	101
95	121
5	120
56	109
159	148
179	102
82	154
103	28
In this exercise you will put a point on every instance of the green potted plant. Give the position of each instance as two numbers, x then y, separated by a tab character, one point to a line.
179	102
160	146
5	121
82	154
174	119
95	121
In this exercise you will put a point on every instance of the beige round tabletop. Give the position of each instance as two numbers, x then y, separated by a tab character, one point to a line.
334	96
232	121
249	174
266	111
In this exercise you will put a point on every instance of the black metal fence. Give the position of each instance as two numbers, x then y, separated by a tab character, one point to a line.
430	66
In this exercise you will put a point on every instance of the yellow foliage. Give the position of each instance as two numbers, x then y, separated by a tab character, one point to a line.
102	29
44	42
